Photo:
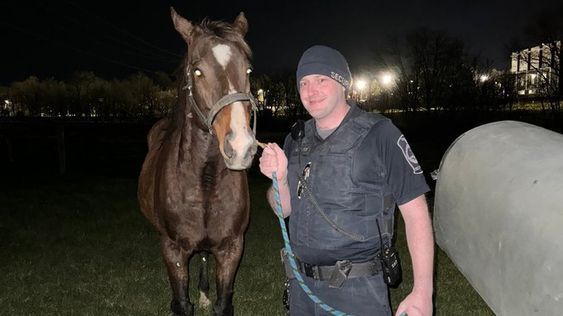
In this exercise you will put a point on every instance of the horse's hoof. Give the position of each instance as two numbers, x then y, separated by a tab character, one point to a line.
223	311
183	308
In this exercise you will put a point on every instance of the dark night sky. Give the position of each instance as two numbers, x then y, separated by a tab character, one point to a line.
116	38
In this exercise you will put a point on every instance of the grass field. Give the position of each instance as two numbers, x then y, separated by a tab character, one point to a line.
78	245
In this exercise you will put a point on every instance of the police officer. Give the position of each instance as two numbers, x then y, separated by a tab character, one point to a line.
340	181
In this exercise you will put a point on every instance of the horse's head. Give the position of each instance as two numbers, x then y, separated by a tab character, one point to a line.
217	69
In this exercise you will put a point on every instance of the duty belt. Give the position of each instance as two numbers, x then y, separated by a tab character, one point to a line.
334	274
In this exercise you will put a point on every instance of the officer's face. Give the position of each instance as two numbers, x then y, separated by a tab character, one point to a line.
321	95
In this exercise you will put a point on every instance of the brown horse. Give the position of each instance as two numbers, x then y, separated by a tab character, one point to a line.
193	187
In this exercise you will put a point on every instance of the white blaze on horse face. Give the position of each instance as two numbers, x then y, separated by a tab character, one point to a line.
242	138
222	54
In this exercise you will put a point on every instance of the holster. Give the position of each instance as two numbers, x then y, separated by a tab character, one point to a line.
339	273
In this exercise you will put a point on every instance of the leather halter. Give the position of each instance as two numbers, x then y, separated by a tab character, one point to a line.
219	105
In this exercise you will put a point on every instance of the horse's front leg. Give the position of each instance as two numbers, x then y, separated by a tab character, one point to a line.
176	260
226	262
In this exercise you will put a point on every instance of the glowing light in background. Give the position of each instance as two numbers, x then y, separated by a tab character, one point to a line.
387	79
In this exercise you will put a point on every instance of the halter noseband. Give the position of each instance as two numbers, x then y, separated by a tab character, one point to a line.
219	105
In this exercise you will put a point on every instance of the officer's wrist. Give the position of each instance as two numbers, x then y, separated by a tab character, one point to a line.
282	179
423	292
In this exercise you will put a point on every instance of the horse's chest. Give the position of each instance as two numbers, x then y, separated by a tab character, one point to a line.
206	193
196	209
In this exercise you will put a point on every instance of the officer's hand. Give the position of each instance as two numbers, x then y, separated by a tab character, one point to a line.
273	159
415	304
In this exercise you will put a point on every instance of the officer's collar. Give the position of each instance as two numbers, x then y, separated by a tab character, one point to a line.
353	112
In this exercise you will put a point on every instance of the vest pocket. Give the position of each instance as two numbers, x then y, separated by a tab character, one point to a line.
332	178
355	228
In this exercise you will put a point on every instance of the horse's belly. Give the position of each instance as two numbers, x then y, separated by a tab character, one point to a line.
146	186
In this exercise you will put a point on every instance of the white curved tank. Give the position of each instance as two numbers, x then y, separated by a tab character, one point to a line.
498	214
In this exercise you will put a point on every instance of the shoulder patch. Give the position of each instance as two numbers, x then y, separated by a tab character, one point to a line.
409	155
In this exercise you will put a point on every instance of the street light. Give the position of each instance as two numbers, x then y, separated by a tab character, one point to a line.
361	85
387	79
484	78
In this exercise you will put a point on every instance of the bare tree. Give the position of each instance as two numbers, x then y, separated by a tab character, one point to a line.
80	85
27	96
55	96
439	74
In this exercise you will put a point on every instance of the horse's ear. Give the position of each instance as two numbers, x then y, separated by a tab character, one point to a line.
240	24
183	26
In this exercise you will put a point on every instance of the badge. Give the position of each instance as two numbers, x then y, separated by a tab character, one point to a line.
305	175
409	155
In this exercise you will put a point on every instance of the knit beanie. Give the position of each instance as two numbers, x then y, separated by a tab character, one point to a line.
323	60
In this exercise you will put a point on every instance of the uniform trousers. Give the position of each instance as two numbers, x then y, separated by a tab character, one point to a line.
361	296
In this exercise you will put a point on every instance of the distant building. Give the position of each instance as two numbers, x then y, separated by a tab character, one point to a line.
537	70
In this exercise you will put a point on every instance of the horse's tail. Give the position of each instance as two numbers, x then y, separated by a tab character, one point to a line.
203	284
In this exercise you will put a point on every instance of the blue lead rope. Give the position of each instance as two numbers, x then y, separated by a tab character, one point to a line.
291	256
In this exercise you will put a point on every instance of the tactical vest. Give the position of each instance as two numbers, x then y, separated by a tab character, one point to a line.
348	182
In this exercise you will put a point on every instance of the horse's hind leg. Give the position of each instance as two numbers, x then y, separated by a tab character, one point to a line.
203	285
226	263
176	260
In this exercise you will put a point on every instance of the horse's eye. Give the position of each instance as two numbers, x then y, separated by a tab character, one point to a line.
197	72
248	70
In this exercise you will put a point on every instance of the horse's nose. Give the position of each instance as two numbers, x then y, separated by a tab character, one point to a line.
227	147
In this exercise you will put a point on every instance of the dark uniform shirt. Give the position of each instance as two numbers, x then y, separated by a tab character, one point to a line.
350	173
